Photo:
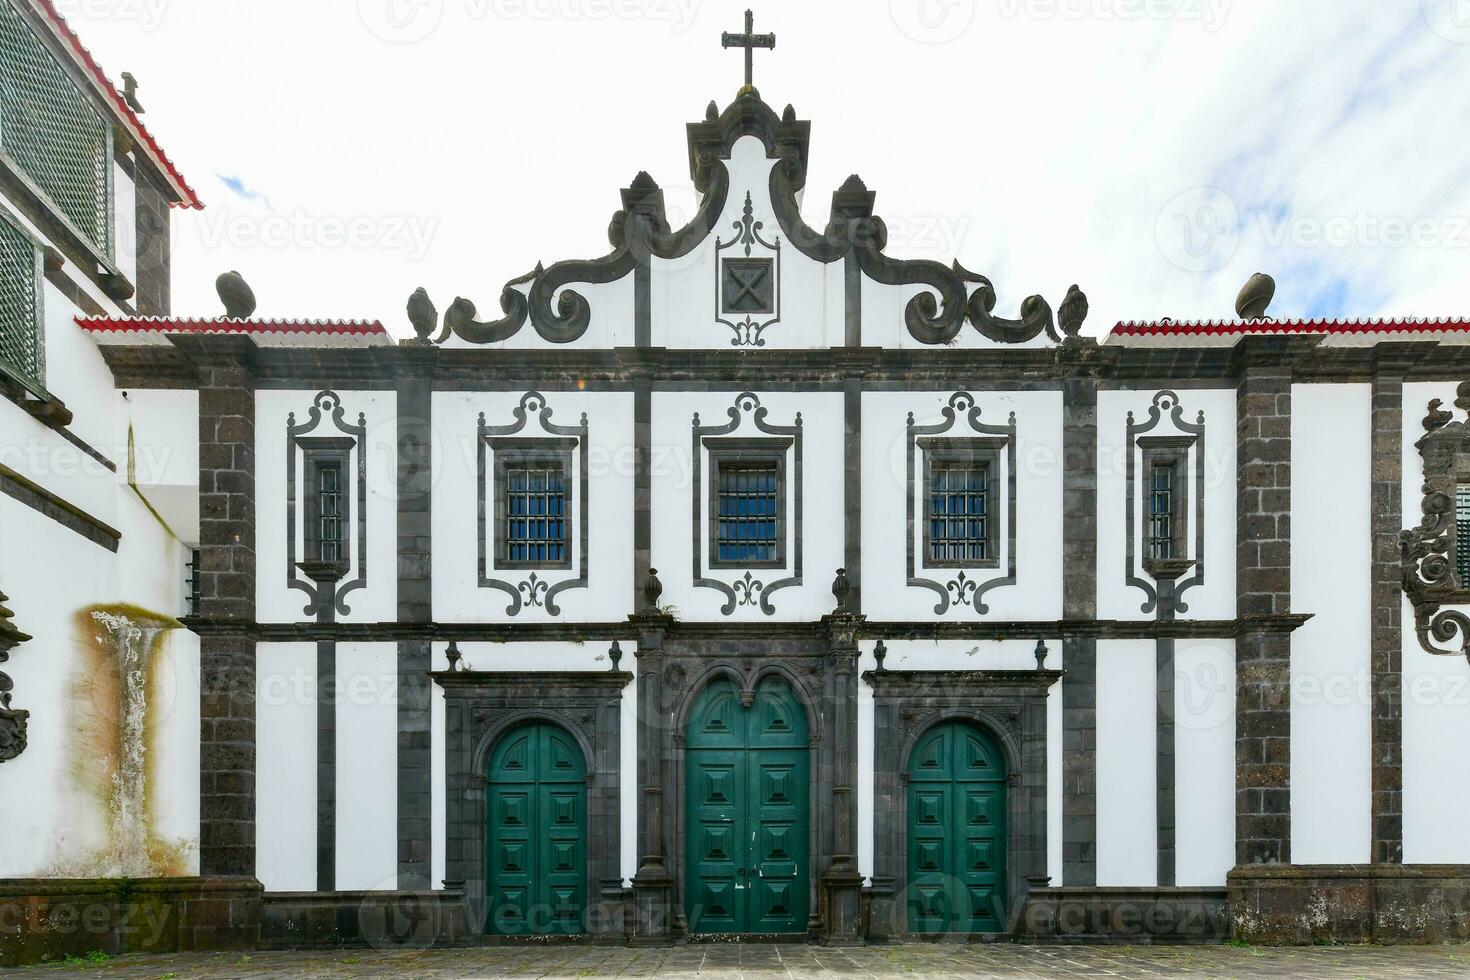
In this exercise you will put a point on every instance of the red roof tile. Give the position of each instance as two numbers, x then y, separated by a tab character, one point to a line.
155	324
1136	328
184	194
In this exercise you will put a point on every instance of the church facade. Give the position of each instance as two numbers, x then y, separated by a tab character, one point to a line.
743	581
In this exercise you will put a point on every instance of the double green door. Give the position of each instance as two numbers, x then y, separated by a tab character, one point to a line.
956	832
747	822
536	833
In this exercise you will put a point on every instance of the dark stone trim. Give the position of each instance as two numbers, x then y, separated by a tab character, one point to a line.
1008	705
1337	903
1105	629
1005	369
1127	915
1079	603
1164	762
1385	508
48	504
642	487
363	920
852	491
1165	595
326	766
320	591
479	708
415	410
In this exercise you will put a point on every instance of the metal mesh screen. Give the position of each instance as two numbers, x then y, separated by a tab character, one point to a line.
20	346
52	133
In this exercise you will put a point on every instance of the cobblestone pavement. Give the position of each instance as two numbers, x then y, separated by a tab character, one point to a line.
726	962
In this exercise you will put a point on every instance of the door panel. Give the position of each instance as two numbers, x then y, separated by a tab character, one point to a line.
747	822
536	834
956	832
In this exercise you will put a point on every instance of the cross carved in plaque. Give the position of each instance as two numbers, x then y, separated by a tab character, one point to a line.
749	41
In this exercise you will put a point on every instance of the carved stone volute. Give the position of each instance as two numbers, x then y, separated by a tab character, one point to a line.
12	720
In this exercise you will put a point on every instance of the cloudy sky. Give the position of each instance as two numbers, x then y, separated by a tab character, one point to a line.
1157	152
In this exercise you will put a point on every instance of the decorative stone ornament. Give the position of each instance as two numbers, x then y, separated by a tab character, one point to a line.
423	315
842	588
12	720
1041	652
236	294
615	654
1255	296
652	589
1428	552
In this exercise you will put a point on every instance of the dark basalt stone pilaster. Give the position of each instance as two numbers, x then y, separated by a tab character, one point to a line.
1263	581
653	884
415	605
154	279
1079	602
226	595
841	883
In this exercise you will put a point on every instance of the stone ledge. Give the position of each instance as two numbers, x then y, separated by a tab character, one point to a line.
364	919
1126	915
1347	903
44	920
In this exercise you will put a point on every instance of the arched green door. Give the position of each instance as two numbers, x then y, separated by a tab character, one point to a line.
536	833
956	832
747	824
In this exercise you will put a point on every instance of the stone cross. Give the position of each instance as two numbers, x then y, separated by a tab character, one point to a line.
749	41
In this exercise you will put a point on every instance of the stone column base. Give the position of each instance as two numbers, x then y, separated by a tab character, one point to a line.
1348	903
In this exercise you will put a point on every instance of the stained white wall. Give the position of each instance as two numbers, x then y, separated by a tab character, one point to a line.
589	657
1037	593
1331	538
285	766
457	595
672	503
1436	690
275	601
1215	598
1127	810
367	769
1204	761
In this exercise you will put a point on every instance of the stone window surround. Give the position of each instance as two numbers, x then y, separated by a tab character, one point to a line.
768	450
975	451
480	707
1011	707
1164	595
326	593
534	452
1429	551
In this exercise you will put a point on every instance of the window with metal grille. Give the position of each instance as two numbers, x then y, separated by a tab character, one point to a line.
329	511
1161	511
959	513
21	349
52	133
536	528
748	496
1462	534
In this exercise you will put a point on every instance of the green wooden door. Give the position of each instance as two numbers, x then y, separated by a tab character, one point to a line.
746	812
956	832
536	833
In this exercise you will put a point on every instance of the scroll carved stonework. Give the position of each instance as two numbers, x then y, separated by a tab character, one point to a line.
12	720
1428	551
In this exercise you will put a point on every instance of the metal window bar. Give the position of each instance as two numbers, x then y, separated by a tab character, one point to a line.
329	512
192	581
535	514
53	133
1462	534
748	515
20	320
1161	511
959	513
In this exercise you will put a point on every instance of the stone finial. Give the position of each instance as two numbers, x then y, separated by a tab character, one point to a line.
652	589
880	654
1073	312
236	294
12	720
1041	652
1255	296
423	315
842	589
130	92
455	658
615	654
